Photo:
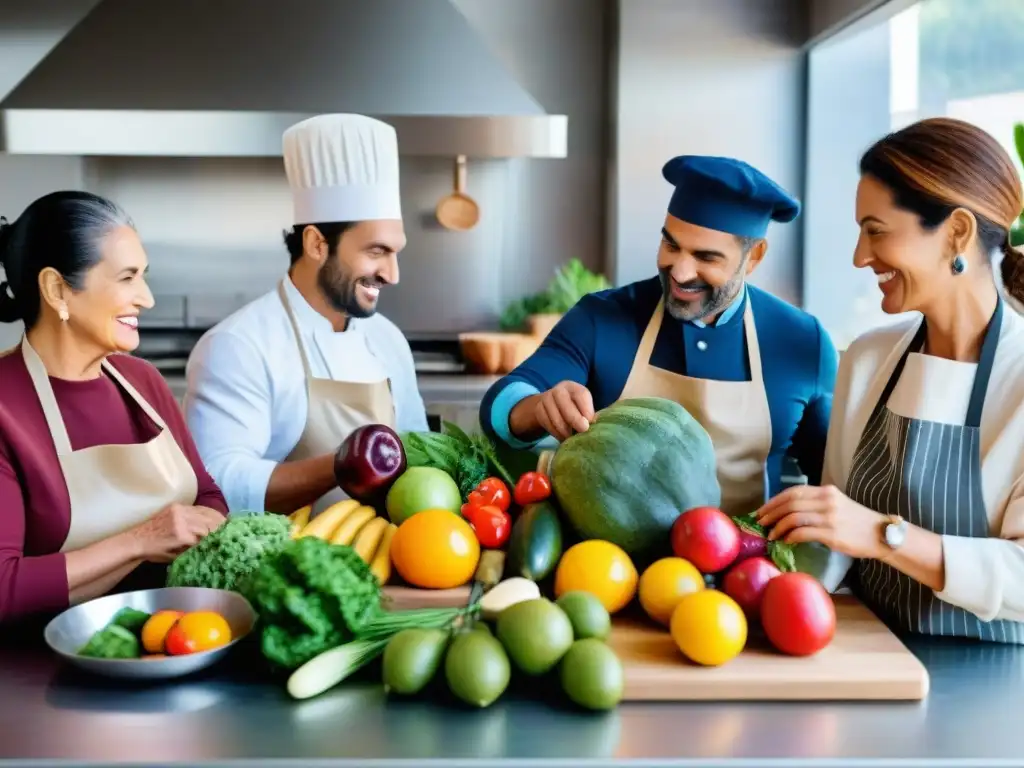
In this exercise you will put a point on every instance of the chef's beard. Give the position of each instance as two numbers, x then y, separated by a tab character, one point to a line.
339	288
712	302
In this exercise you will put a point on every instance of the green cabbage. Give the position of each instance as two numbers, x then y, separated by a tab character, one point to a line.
229	555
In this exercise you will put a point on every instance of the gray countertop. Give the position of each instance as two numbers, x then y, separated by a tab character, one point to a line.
49	714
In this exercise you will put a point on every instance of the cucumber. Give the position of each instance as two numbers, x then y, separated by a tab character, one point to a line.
535	544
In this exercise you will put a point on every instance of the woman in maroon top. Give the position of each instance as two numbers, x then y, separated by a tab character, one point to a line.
98	474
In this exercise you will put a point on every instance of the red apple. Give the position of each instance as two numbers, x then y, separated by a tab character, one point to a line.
745	583
797	614
707	537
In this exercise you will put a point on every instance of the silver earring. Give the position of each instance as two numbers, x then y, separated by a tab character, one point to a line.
959	264
63	314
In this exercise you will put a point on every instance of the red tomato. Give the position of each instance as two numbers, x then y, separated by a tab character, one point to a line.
797	614
745	583
491	525
707	537
492	492
177	642
532	487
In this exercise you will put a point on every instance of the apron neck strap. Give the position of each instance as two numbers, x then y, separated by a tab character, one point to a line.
985	364
48	401
650	337
295	329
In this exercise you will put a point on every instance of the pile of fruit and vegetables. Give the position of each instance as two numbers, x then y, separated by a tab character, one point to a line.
624	514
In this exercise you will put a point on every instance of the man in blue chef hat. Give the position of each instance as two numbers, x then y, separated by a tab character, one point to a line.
755	371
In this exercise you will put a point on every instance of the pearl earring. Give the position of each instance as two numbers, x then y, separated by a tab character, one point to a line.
959	264
62	313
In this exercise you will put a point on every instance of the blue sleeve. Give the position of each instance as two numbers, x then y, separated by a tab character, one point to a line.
567	354
809	440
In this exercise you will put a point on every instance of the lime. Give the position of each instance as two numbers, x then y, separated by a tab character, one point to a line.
421	488
482	626
587	614
591	675
477	668
536	633
411	659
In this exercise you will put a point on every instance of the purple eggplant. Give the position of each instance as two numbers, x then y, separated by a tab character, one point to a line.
368	462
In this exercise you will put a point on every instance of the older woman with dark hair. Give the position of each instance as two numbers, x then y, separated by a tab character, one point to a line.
98	474
923	485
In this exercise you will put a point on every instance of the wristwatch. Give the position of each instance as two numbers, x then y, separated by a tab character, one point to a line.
895	531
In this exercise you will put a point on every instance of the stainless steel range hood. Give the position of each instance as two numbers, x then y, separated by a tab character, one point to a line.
224	78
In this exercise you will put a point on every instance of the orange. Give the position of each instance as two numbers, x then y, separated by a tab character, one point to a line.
155	630
435	549
600	568
665	583
200	631
709	627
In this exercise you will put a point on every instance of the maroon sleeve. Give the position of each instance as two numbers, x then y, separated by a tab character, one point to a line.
28	585
209	493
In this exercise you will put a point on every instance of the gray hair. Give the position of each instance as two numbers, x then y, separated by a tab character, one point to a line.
62	231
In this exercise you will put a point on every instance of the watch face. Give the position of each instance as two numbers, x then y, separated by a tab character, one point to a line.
894	535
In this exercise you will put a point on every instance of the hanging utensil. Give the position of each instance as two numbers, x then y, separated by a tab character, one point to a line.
458	211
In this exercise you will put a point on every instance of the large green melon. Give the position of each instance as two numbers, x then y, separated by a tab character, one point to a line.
642	463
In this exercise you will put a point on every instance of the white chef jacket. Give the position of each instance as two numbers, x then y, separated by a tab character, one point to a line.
246	401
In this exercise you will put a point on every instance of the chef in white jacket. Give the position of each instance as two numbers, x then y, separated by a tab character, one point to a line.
275	388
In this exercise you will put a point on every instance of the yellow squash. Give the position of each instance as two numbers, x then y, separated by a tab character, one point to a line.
345	533
369	538
327	522
381	565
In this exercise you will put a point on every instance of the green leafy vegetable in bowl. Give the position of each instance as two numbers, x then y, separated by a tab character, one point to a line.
112	642
570	284
229	555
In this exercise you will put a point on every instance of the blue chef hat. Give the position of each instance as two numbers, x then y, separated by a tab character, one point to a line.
726	194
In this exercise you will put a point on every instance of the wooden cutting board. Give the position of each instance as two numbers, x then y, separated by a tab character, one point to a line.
865	660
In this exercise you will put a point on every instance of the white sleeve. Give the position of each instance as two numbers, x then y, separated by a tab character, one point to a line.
410	409
228	409
986	575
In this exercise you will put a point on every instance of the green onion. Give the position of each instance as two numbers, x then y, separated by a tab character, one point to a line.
332	667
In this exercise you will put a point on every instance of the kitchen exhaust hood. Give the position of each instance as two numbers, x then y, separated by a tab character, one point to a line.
225	78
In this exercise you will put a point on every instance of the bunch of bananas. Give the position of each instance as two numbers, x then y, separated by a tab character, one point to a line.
349	523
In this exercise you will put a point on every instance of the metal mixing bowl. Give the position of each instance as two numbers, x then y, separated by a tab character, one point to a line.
70	631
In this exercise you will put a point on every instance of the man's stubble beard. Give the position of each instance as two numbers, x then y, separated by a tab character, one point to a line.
715	301
340	290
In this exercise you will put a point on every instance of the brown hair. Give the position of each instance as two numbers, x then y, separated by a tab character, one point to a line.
937	165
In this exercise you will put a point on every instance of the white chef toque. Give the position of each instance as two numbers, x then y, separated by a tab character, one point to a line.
342	168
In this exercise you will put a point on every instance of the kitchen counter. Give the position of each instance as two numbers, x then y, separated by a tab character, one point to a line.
48	713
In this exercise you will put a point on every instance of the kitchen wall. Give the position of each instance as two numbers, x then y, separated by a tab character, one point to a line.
692	77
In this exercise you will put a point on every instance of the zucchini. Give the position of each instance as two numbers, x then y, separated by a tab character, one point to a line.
535	544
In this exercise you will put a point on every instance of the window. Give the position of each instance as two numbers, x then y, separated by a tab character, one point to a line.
958	58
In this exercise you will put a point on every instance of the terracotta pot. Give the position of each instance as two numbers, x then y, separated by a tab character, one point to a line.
496	353
541	325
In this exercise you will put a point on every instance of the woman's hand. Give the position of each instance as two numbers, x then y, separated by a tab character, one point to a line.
806	513
174	529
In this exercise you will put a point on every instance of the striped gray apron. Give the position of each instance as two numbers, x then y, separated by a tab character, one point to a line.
929	474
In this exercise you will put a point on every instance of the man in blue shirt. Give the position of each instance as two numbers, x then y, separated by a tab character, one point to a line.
756	372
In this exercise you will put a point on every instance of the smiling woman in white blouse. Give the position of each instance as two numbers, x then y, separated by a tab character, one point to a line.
923	484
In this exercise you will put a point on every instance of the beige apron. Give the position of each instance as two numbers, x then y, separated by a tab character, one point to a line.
336	409
113	487
734	413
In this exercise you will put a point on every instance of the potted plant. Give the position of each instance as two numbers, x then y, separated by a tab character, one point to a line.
538	313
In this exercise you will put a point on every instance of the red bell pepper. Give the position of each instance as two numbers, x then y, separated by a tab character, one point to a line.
492	492
531	488
491	524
